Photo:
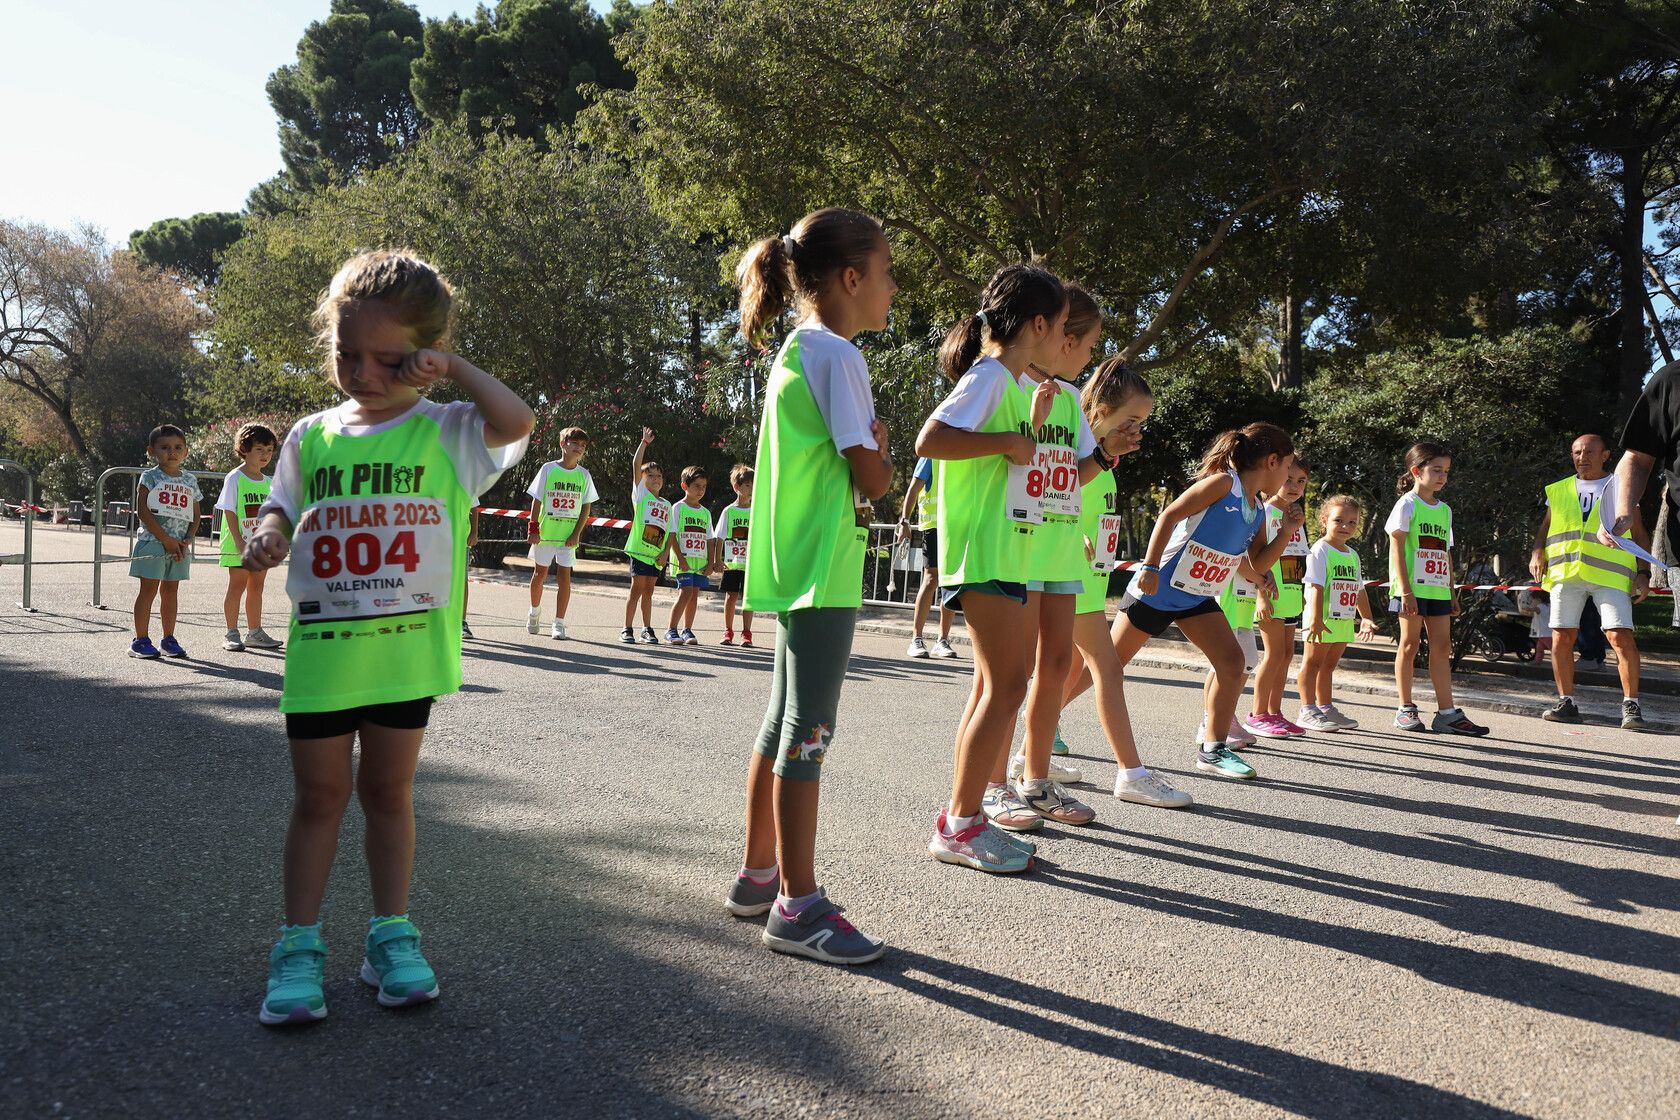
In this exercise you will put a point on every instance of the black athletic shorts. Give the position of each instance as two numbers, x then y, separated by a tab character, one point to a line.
405	715
1154	621
734	581
1427	608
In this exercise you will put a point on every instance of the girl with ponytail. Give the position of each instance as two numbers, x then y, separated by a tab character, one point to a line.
1117	402
980	443
822	459
1205	537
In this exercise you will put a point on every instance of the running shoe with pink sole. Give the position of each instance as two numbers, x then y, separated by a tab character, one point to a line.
1296	731
1265	726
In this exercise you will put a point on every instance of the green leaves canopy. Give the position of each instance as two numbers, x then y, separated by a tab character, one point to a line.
520	66
1181	158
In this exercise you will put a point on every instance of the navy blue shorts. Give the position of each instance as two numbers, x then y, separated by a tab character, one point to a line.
694	579
638	568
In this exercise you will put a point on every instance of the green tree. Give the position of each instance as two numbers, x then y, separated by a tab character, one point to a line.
572	289
1190	162
1613	67
518	66
345	105
190	247
90	339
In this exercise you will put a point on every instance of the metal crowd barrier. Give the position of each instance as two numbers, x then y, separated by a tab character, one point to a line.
132	519
27	556
892	576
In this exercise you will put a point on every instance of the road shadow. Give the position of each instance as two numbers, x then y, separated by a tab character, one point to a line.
1304	1086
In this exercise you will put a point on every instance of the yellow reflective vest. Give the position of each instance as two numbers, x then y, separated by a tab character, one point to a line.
1573	554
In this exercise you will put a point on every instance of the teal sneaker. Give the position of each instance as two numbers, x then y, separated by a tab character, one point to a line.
295	965
1059	747
1225	762
393	963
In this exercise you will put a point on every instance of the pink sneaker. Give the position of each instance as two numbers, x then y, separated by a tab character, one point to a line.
1238	735
1266	726
1294	730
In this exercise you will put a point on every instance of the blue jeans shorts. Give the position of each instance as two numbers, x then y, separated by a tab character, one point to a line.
694	579
951	597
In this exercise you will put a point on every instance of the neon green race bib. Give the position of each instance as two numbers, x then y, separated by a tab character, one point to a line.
248	502
378	555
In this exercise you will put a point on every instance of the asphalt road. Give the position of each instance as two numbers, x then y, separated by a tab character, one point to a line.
1383	925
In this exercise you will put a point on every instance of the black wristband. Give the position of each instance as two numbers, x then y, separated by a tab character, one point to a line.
1103	461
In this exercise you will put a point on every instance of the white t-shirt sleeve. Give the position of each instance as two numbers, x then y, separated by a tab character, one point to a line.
637	493
972	402
535	490
721	522
590	496
461	431
1318	565
286	492
228	498
1400	517
838	378
1087	438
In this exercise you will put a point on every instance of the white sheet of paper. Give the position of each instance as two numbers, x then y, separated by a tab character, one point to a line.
1627	544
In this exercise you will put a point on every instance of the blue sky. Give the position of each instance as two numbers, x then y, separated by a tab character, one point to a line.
125	112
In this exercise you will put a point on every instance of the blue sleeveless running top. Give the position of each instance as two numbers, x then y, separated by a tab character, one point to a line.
1224	527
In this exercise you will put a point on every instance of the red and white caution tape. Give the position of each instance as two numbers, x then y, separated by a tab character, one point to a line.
594	522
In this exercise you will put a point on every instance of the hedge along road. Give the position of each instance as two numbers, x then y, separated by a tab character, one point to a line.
1383	925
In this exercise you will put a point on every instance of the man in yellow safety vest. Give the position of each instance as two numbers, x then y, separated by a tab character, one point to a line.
1575	565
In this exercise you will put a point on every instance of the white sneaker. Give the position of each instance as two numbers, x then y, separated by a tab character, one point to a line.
533	622
1336	717
256	639
1316	721
942	649
1066	775
231	642
1151	789
917	649
557	631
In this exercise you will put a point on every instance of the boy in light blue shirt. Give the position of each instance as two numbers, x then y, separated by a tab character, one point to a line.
167	503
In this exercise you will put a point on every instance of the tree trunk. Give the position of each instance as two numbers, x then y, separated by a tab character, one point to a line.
1657	330
1290	329
1633	351
695	338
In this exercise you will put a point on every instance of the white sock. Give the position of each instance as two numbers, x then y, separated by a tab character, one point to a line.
1310	709
955	824
1625	699
759	875
793	907
1211	747
534	611
1570	698
1134	773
